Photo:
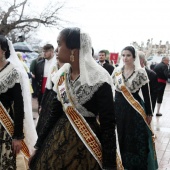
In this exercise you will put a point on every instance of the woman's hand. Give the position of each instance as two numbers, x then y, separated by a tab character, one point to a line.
16	146
149	119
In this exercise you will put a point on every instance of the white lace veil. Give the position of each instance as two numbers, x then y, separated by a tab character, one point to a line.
91	72
136	62
29	127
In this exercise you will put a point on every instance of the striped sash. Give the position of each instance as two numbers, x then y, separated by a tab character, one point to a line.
8	124
80	125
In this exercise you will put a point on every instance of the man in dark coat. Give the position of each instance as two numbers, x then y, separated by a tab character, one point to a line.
42	68
163	72
32	70
153	83
104	63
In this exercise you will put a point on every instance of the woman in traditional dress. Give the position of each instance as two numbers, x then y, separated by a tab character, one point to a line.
84	90
133	116
17	130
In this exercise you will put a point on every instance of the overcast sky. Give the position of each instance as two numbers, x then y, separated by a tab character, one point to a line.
114	24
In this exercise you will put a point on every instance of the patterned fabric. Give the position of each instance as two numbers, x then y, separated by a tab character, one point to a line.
133	134
7	158
59	147
56	155
81	94
10	97
135	82
45	111
9	77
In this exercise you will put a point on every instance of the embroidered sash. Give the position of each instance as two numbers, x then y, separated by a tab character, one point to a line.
135	104
8	124
129	97
80	125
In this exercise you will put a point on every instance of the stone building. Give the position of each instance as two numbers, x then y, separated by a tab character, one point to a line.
151	49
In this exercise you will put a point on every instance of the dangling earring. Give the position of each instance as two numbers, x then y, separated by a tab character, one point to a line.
72	57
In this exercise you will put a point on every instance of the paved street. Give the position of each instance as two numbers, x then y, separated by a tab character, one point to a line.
162	130
161	126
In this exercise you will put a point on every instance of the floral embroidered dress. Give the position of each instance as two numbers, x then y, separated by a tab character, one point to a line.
135	140
12	100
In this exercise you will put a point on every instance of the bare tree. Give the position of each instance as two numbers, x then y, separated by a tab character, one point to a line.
15	18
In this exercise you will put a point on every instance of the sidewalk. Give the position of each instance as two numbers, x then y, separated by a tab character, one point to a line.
162	131
161	128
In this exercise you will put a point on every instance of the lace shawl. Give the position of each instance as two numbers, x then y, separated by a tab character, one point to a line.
135	82
8	77
81	94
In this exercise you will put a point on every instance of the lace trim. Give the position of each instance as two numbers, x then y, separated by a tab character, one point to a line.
8	77
137	80
81	94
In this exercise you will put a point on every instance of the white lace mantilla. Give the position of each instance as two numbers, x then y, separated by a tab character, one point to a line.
81	94
8	77
135	82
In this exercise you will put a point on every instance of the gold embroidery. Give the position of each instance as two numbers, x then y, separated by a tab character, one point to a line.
8	125
61	80
83	129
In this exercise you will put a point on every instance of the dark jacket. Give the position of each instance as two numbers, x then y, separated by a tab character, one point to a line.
162	71
153	83
108	67
39	72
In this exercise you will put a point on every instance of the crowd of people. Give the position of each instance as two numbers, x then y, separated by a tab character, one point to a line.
92	115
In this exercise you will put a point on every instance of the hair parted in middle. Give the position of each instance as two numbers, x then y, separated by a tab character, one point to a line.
131	49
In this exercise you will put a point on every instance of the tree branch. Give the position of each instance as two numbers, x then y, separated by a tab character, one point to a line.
23	6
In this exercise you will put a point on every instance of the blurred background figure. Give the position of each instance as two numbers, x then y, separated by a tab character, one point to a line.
163	73
22	58
32	71
47	99
105	63
42	70
152	66
153	83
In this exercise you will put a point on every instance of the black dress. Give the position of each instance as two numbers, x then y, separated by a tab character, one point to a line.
59	147
11	99
135	140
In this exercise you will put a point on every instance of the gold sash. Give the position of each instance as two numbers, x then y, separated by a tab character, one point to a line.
8	124
80	125
129	97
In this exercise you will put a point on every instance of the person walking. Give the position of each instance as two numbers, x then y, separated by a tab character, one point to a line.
153	83
163	73
32	71
47	100
42	69
133	116
17	129
76	141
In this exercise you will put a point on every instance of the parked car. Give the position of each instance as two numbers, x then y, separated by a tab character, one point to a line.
153	59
